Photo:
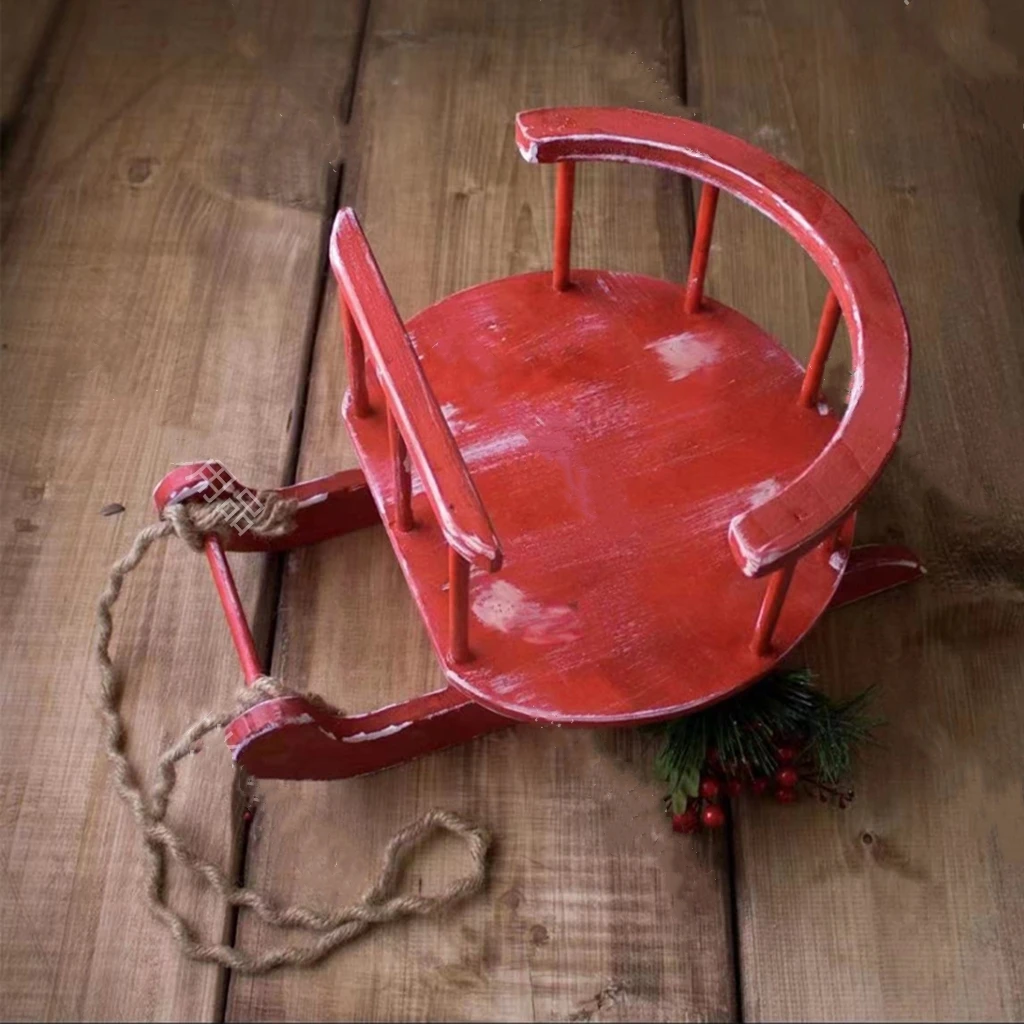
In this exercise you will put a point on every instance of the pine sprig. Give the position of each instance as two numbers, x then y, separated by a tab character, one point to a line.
836	729
742	735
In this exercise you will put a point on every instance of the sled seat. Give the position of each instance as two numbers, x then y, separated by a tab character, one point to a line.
613	498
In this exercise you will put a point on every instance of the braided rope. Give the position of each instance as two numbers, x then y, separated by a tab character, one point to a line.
380	904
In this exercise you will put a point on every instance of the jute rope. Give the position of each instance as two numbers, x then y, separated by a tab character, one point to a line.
380	904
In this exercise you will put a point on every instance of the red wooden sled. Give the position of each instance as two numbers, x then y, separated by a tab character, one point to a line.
614	499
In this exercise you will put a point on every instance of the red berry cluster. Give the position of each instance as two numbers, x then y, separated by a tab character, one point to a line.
719	782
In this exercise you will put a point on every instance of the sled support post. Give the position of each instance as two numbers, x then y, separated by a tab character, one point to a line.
771	607
701	248
355	361
565	178
458	606
401	476
822	346
238	624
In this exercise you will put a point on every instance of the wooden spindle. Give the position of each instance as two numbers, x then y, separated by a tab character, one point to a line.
401	477
811	388
701	248
238	624
771	606
458	607
565	177
355	362
831	542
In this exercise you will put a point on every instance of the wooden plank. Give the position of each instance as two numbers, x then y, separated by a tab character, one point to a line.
160	267
24	28
595	910
909	905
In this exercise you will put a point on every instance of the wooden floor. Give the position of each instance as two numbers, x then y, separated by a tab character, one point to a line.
170	168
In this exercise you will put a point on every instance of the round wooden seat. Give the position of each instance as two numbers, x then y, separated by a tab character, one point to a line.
613	438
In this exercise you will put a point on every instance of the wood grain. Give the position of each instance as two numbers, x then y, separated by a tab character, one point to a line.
908	905
593	911
160	266
24	28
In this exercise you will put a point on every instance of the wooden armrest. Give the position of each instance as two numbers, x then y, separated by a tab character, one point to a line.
816	502
446	480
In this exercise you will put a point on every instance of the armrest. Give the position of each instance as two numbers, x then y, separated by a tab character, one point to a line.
446	480
816	502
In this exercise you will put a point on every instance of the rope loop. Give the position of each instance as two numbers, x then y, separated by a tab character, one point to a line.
270	516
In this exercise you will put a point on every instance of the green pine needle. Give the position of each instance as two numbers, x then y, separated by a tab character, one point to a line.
746	729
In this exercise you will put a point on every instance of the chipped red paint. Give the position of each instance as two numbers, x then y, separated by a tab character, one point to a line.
628	440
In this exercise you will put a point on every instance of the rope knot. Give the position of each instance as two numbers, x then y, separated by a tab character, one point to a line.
262	513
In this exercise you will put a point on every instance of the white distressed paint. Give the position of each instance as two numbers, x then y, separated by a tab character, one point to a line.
188	492
366	737
504	607
764	491
387	707
823	409
856	388
453	417
312	500
682	354
710	513
751	561
529	154
907	564
495	448
837	560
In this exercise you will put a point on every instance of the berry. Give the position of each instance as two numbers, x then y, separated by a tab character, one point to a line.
785	795
787	778
734	787
713	816
758	785
686	822
786	753
710	788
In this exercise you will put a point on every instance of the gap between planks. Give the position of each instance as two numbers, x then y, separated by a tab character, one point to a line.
271	594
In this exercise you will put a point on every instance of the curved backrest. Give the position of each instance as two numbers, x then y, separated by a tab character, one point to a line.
815	503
